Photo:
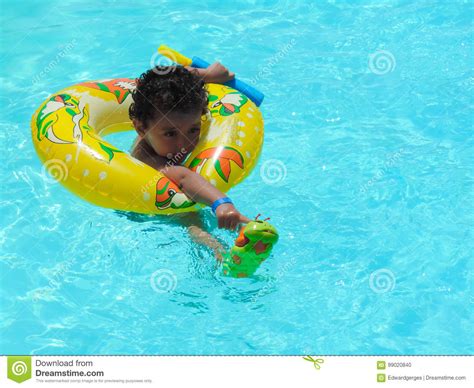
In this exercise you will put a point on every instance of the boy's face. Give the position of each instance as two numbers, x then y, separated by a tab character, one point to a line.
174	135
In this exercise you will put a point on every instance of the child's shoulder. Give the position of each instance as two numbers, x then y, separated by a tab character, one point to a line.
142	151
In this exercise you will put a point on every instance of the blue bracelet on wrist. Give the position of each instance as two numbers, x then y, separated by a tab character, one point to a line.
218	202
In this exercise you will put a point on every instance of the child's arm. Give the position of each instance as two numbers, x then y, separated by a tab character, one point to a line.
193	222
216	73
200	190
202	237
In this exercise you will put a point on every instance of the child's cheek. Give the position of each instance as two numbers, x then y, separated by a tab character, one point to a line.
159	145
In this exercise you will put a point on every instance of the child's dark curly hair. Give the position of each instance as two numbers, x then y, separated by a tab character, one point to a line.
167	88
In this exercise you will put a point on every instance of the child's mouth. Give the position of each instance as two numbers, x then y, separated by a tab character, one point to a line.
178	156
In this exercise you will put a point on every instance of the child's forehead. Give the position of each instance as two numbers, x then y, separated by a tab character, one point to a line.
176	119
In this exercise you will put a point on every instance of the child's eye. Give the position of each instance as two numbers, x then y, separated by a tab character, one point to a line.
195	129
169	134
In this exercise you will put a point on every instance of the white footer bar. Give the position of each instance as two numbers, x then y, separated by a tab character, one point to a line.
237	371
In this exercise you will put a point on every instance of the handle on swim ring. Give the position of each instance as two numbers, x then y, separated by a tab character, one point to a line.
252	93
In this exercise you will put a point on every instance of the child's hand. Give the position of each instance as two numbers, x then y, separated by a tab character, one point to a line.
228	216
218	74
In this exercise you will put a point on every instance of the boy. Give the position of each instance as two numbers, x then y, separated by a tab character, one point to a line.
166	113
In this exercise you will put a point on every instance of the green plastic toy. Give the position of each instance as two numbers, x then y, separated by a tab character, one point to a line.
253	245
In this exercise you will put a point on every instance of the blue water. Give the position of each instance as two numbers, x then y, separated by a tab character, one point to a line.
366	171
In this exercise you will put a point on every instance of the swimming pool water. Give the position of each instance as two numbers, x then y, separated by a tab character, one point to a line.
366	171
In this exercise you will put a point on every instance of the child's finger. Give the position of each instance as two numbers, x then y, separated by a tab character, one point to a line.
244	219
233	224
220	223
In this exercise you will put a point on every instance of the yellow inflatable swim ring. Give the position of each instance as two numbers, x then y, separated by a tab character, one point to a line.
68	132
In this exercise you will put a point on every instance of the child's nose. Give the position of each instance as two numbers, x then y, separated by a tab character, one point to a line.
184	144
180	145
